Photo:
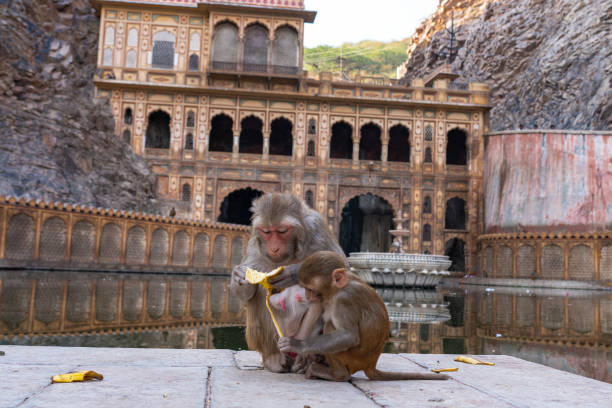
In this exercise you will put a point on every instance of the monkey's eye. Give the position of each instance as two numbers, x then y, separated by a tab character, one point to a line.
281	230
264	231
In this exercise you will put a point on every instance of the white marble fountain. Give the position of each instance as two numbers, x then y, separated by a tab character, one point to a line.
399	269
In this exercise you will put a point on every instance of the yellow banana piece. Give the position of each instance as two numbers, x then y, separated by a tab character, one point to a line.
76	377
255	277
444	370
471	360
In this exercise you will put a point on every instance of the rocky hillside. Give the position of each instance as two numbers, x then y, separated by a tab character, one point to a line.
57	140
549	62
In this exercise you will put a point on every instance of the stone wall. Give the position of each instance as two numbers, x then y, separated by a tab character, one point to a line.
548	62
57	140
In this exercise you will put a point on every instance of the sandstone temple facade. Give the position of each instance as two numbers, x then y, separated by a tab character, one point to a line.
214	96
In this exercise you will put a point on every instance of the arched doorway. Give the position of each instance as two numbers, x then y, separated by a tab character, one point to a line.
158	130
236	207
366	221
455	250
251	136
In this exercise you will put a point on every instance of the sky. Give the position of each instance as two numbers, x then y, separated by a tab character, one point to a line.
342	21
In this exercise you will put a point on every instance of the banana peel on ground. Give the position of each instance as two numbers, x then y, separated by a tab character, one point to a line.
255	277
472	360
78	376
444	370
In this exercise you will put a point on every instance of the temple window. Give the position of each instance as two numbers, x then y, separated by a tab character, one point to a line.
109	35
163	50
186	192
341	144
130	60
309	198
428	158
456	149
108	57
369	144
428	133
251	136
255	56
189	142
399	144
310	151
132	37
426	233
190	119
194	62
427	205
194	42
454	217
221	135
281	140
158	130
127	116
312	126
225	46
285	51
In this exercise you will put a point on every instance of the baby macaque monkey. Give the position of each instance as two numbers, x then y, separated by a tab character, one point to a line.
356	324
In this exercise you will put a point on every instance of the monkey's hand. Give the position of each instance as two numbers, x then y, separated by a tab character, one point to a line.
239	286
288	277
288	344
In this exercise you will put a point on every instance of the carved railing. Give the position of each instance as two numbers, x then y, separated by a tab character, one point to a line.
44	234
245	67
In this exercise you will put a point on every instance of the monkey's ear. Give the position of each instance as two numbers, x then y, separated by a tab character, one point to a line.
339	278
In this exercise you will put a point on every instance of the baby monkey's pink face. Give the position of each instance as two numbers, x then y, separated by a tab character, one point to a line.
290	307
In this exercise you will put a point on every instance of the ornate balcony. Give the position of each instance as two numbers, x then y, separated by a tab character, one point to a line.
253	69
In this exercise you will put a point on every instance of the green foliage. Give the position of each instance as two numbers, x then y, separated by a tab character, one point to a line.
365	58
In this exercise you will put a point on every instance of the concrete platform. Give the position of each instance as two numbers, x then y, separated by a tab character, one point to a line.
222	378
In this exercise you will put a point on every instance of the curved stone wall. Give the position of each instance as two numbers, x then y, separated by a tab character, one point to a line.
548	181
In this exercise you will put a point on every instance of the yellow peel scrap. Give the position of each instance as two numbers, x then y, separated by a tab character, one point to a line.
76	377
471	360
444	370
256	277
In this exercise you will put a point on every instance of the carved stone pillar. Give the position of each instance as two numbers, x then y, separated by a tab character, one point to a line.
235	146
266	146
355	153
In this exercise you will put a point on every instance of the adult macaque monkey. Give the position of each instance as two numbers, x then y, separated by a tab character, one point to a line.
356	323
284	232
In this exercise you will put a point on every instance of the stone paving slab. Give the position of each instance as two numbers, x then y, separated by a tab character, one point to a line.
522	383
51	355
232	387
18	382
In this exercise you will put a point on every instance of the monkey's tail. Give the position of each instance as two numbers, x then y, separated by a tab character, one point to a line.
374	374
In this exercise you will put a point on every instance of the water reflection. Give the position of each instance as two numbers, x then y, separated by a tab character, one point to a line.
569	330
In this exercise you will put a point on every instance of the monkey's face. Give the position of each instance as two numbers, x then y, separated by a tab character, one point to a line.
279	241
311	288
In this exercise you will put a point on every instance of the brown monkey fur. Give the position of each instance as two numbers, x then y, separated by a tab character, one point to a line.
356	324
308	233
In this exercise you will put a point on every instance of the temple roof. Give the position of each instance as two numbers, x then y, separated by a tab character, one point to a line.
284	4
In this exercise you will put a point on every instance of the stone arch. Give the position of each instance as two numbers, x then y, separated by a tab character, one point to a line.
186	192
454	248
365	223
310	150
53	240
456	147
127	116
159	247
454	216
82	242
255	51
162	55
236	206
110	244
281	138
221	134
189	141
285	50
370	145
251	136
552	262
581	262
180	248
225	46
399	144
135	245
194	62
341	143
237	251
200	250
20	238
157	135
219	259
426	233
